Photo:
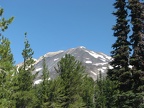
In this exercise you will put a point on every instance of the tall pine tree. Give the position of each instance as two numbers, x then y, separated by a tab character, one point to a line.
24	94
105	91
6	64
71	73
137	58
44	88
121	73
87	92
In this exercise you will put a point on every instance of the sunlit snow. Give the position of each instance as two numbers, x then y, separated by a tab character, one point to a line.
92	53
88	62
106	56
82	47
97	64
38	81
56	59
48	54
93	72
104	67
110	67
130	66
87	58
38	69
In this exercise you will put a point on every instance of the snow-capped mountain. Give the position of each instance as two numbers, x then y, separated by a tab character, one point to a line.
93	61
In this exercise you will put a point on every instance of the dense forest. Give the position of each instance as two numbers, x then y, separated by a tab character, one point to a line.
123	87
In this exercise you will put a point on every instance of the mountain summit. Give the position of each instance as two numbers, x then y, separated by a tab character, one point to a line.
94	62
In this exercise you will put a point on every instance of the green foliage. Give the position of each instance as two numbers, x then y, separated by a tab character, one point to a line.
56	93
3	22
25	71
123	87
130	81
50	97
27	55
121	48
87	92
121	74
44	87
6	66
6	57
137	58
105	93
71	73
24	93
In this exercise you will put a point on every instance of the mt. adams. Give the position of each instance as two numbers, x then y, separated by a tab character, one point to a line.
93	61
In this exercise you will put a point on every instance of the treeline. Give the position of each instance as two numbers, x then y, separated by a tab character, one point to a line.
128	54
73	88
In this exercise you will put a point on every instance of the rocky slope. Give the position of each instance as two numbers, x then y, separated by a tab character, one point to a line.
94	61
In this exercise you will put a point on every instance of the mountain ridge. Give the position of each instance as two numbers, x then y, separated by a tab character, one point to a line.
94	62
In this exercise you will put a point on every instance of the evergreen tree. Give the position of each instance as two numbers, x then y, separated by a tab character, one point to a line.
71	74
105	93
87	92
51	98
3	22
121	73
44	87
121	48
6	64
6	57
49	92
24	94
56	93
100	98
7	70
137	58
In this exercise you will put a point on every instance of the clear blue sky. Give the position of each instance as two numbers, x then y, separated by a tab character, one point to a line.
54	25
